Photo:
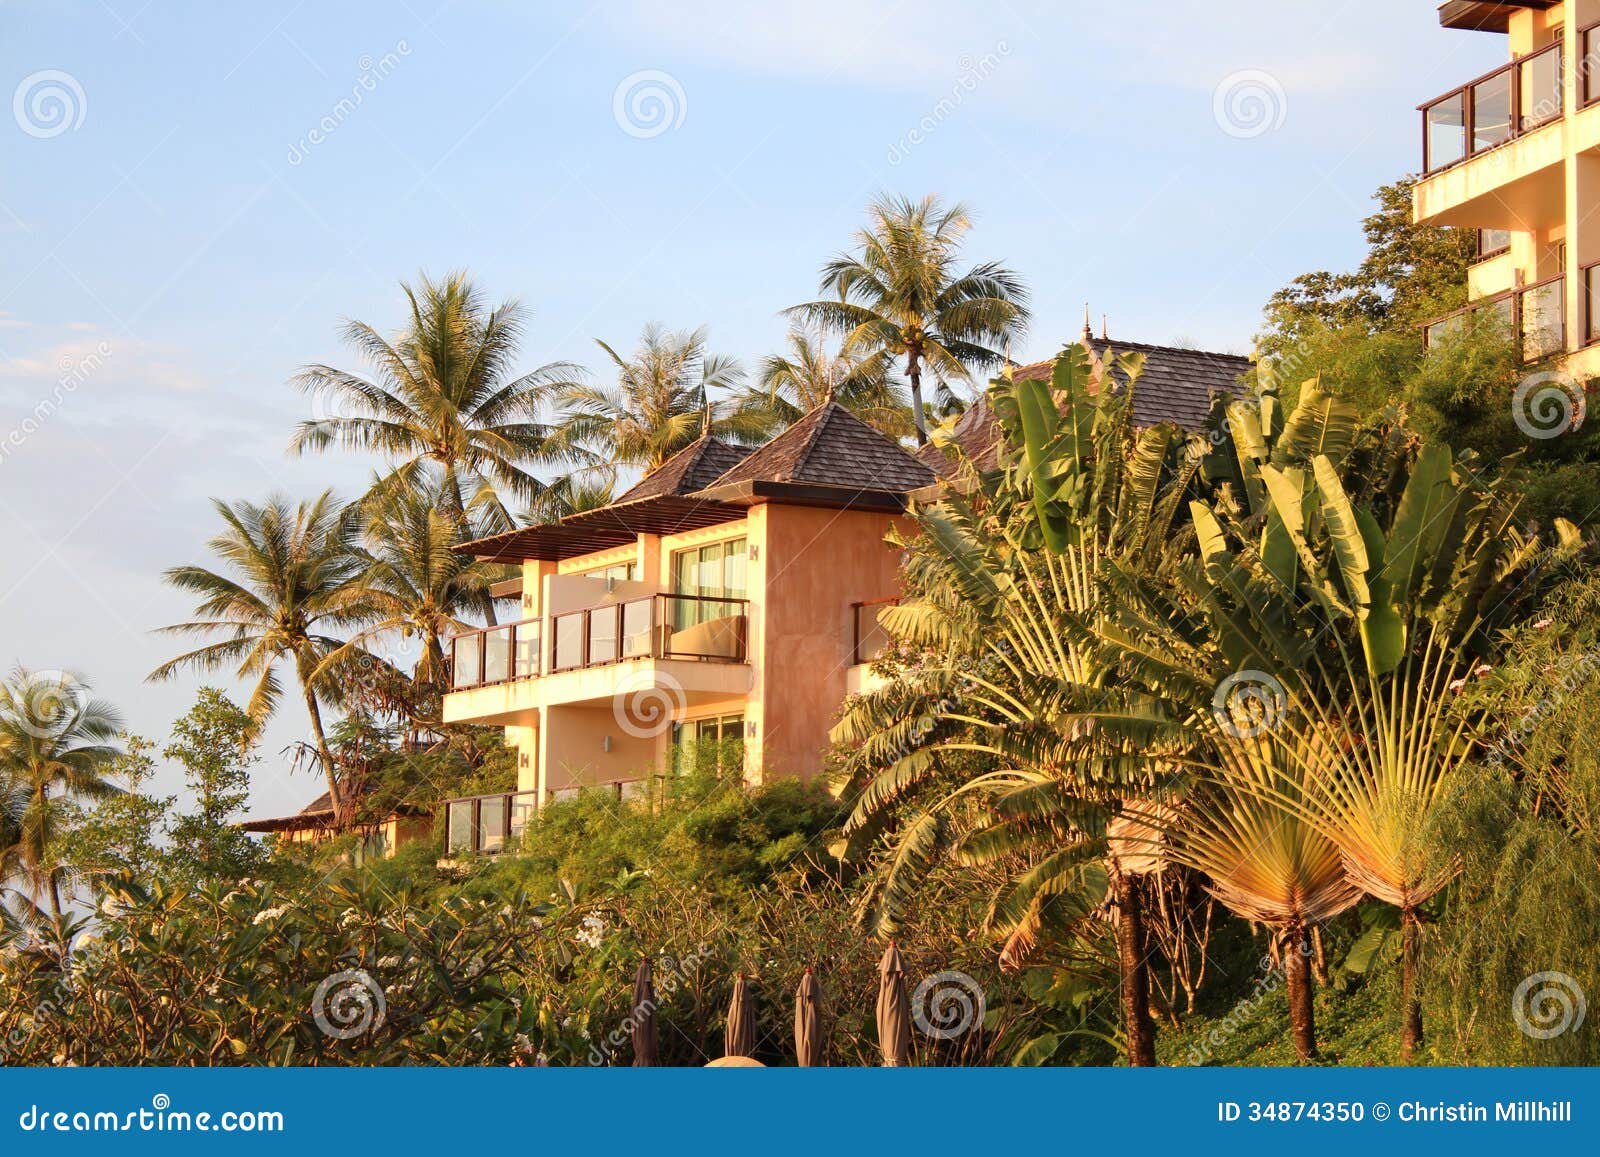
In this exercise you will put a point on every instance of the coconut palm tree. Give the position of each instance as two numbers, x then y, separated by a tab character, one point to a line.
664	399
809	373
57	744
291	583
441	393
901	293
573	494
416	587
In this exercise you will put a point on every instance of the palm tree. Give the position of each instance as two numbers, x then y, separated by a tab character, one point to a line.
663	400
901	293
291	582
441	393
416	586
810	374
1008	665
56	744
573	494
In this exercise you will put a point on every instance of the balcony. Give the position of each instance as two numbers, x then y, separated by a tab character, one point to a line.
1486	113
1536	314
692	627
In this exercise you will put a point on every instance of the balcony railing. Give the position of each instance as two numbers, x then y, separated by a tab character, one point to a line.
495	655
1498	107
654	627
485	824
1535	313
661	626
870	638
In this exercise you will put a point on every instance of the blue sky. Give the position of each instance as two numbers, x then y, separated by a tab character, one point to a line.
175	243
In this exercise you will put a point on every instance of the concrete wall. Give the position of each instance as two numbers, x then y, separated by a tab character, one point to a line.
814	563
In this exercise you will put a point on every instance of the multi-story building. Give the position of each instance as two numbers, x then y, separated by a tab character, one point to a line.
727	603
1515	155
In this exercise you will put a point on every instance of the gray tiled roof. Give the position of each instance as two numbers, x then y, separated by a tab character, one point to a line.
830	446
695	467
1177	386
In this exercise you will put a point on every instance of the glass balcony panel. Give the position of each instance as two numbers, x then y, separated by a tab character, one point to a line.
636	622
492	811
1541	87
1491	111
465	670
524	807
525	660
714	629
497	655
1591	303
1589	65
603	635
458	827
1445	132
1543	321
1492	241
569	641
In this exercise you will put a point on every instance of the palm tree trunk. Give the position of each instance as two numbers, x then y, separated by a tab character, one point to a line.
1297	979
1135	973
55	894
1410	987
325	754
914	373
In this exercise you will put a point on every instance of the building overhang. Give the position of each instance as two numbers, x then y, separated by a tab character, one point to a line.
596	530
757	492
1485	16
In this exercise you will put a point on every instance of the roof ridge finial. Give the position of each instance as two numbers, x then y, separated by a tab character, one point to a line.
1088	334
705	422
1105	332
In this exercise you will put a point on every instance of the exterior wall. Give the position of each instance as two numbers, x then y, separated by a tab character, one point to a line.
587	747
814	565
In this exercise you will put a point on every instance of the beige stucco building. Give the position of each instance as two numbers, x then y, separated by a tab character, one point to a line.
727	603
1515	155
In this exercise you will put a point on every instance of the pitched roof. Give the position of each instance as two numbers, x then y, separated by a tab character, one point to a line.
316	814
695	467
1177	386
830	446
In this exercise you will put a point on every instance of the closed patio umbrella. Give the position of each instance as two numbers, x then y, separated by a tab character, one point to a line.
894	1010
740	1038
644	1017
808	1023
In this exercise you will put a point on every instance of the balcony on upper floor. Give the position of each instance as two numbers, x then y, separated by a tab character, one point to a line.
503	673
1492	150
1536	314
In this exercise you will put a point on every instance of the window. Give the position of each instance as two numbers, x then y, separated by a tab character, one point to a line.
707	745
1493	241
710	572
